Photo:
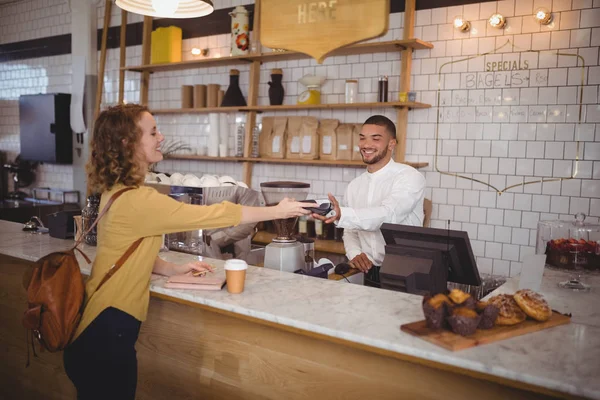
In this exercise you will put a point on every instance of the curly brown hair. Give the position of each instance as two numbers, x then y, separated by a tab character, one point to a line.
114	157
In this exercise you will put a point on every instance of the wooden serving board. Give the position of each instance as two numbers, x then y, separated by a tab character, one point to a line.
452	341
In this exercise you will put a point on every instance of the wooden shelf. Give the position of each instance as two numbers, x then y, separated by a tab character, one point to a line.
291	107
204	110
330	163
191	64
362	48
202	158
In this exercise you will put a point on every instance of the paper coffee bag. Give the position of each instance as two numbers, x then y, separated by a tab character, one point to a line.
344	133
278	140
293	137
355	138
309	138
264	138
328	139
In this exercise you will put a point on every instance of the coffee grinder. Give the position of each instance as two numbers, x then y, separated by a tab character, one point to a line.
284	253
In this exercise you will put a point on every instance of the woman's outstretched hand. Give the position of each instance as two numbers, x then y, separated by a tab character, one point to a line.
196	267
289	208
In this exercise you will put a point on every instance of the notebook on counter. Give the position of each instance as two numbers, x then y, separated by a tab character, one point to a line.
189	281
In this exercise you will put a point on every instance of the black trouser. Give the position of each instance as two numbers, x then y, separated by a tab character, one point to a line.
102	362
372	277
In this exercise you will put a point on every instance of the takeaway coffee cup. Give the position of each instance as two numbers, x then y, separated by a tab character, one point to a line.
235	273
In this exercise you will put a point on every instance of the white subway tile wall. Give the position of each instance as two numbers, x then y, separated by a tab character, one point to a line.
506	118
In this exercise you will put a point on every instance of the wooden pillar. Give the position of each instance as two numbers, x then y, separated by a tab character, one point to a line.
405	74
146	49
100	85
122	56
252	97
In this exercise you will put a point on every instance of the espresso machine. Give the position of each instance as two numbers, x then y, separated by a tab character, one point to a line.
284	253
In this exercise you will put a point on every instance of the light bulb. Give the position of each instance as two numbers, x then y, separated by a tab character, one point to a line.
542	16
165	8
497	21
461	25
196	51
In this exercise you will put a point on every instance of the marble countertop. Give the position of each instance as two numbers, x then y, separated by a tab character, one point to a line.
564	358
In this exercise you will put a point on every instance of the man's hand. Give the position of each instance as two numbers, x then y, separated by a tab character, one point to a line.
361	262
336	208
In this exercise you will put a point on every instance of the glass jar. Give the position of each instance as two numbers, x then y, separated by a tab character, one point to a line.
351	95
339	234
382	89
240	133
303	226
319	231
255	136
572	246
88	216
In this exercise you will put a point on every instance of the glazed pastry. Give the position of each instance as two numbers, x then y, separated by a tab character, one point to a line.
435	310
509	311
464	321
533	304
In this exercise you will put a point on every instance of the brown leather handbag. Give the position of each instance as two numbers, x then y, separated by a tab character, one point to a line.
56	293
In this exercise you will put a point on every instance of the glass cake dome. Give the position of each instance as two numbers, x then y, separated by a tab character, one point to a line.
572	246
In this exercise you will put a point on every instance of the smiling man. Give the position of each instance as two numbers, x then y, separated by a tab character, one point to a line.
387	192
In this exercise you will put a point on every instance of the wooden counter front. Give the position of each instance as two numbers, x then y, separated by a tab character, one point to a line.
192	351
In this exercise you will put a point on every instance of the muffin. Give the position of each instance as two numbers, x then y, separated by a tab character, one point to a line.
463	299
435	310
463	321
488	313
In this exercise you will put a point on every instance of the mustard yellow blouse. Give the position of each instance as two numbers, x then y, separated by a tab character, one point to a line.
142	212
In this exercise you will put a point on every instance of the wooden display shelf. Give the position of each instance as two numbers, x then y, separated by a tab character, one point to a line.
362	48
204	110
326	246
202	158
291	107
191	64
331	163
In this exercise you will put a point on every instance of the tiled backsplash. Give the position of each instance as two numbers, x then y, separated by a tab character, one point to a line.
501	128
34	19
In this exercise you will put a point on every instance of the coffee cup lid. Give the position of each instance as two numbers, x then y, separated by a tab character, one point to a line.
236	265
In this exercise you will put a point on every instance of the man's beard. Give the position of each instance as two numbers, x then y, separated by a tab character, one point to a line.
378	157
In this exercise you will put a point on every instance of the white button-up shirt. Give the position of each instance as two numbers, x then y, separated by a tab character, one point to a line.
394	194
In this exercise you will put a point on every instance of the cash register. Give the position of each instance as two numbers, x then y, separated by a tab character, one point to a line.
423	260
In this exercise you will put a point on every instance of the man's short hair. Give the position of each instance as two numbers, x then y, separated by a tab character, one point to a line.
380	120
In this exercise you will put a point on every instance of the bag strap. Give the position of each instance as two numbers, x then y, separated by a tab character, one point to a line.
104	211
127	253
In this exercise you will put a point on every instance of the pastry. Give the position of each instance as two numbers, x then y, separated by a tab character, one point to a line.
533	304
435	310
489	314
509	311
464	321
461	298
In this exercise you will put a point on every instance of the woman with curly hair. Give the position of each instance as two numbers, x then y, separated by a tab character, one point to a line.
101	360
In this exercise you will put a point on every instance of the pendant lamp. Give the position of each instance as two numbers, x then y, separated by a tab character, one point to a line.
168	8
